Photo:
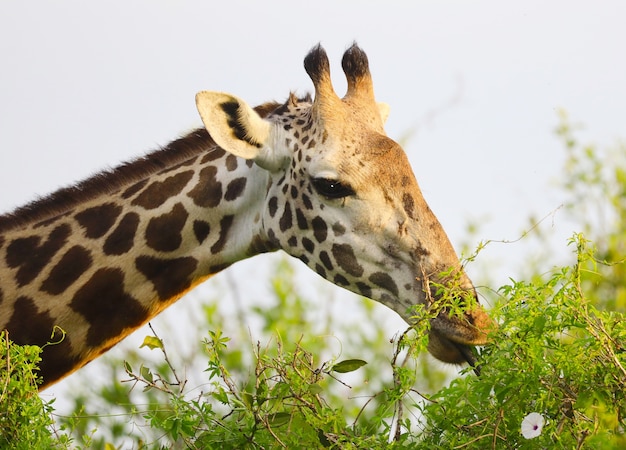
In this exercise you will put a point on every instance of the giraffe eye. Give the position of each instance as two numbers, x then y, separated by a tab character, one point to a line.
332	188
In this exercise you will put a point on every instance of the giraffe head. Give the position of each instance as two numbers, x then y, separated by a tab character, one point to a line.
341	197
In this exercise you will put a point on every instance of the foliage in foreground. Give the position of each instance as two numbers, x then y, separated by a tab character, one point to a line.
554	354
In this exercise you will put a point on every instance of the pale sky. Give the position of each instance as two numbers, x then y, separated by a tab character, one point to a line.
475	84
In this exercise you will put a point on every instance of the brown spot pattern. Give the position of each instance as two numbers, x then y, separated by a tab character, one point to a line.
164	233
208	192
96	221
123	237
273	206
345	258
225	224
385	281
364	289
235	188
231	162
109	309
214	154
338	229
301	219
201	229
129	192
170	277
308	245
69	268
158	192
30	257
28	325
320	229
326	260
286	220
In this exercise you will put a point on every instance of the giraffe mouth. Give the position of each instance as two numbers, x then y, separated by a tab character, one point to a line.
447	350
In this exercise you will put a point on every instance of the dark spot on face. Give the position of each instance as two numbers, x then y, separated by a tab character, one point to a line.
170	277
308	245
364	289
301	219
30	257
109	310
409	205
320	270
129	192
306	201
69	268
164	233
96	221
320	229
235	188
201	229
272	205
326	260
214	154
29	326
225	224
286	221
294	192
345	258
208	192
159	191
122	238
385	281
340	280
231	162
292	241
338	229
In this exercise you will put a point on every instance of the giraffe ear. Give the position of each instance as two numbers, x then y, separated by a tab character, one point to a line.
233	124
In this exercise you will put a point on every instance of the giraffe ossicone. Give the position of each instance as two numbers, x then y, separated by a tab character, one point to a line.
317	178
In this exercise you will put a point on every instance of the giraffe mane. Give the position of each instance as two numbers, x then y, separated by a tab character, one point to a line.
64	200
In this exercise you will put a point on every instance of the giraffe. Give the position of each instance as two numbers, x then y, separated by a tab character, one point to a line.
317	178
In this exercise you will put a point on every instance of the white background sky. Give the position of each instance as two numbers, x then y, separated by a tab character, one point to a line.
84	86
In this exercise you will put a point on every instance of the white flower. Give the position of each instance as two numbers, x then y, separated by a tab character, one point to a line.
532	425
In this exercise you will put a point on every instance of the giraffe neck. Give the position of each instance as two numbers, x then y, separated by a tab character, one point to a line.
108	255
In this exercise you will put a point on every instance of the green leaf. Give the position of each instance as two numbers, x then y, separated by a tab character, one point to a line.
279	419
152	342
146	374
348	365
